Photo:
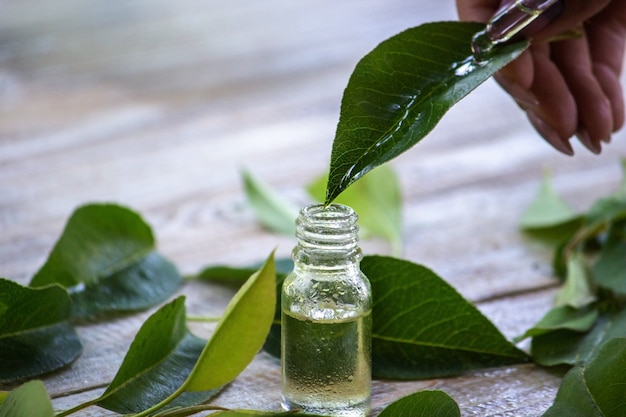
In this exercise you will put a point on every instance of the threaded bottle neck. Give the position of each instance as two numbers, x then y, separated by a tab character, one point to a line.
327	233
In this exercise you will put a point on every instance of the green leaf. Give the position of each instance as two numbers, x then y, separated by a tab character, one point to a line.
105	257
547	210
273	212
236	276
237	338
98	240
609	271
158	362
423	403
577	291
599	219
567	347
35	335
606	378
399	92
142	285
573	398
28	400
565	317
239	275
240	333
549	218
376	199
423	328
605	211
597	389
225	274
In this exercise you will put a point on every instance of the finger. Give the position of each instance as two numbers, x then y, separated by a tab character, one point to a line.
611	85
595	118
607	38
556	117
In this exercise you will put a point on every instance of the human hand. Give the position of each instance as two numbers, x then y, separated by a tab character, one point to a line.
570	85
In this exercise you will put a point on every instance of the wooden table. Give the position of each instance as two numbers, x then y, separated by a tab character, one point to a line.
158	105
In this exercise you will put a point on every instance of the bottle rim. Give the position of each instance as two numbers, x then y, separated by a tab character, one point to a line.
331	213
332	228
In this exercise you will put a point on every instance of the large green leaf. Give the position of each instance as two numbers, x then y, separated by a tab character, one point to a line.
423	403
240	333
35	335
423	328
237	338
597	389
567	347
399	92
157	363
105	258
378	202
28	400
98	240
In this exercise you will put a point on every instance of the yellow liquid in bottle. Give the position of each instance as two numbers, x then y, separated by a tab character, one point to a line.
327	365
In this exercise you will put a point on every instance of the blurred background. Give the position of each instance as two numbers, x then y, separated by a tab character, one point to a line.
158	105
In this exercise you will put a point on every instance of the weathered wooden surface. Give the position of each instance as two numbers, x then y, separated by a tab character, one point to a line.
158	105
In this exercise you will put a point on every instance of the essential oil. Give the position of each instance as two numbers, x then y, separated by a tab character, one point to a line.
326	318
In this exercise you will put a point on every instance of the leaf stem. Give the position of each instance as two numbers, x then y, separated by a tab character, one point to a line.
580	236
191	409
78	408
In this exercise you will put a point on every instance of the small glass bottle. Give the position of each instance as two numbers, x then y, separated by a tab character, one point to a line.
326	318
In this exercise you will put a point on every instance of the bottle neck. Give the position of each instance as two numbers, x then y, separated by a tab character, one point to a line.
327	237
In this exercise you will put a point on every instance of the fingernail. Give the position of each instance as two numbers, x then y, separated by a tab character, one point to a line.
550	135
606	140
586	140
523	97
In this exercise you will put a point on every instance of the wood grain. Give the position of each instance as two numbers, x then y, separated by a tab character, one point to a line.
158	106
